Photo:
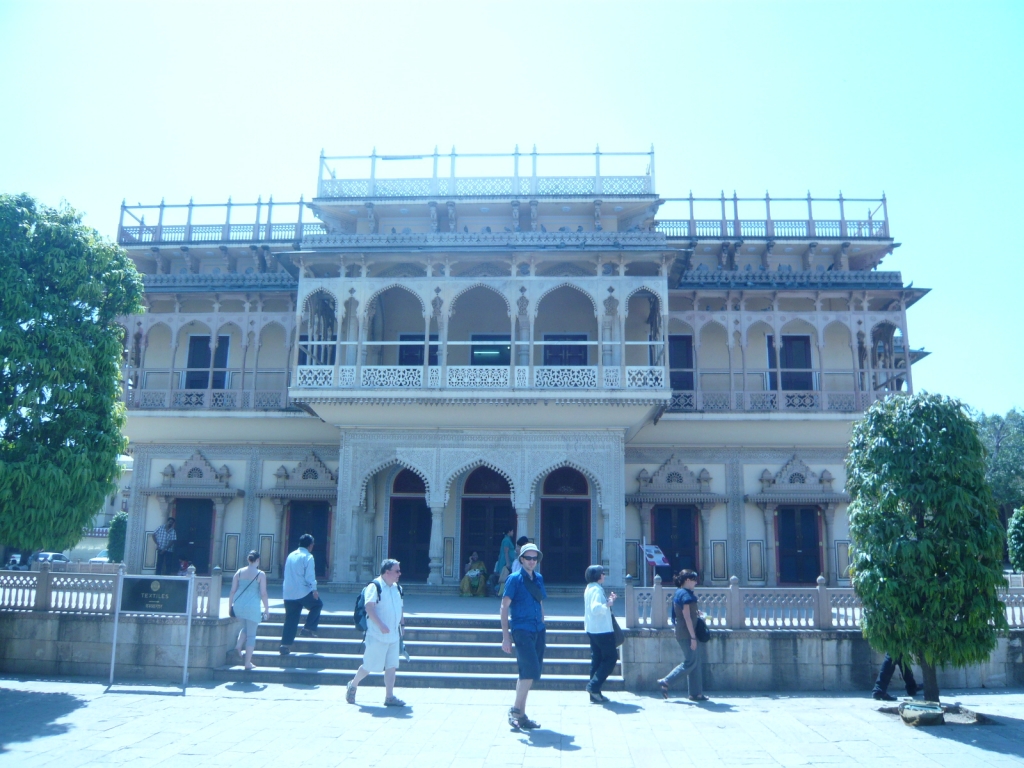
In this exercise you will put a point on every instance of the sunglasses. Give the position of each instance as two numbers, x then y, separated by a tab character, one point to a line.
528	557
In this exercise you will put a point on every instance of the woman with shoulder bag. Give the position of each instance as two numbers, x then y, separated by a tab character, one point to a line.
684	607
599	623
244	604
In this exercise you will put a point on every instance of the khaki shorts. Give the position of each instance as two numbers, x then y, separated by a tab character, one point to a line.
379	656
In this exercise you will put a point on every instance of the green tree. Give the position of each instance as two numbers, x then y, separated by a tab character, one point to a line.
1003	437
1015	540
927	539
116	537
61	289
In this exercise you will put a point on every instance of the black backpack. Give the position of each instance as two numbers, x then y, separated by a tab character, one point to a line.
359	614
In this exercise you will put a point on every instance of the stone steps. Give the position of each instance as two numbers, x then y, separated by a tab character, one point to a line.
447	650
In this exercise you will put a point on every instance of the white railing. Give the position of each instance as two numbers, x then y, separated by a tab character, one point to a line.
477	377
565	377
49	591
736	607
763	401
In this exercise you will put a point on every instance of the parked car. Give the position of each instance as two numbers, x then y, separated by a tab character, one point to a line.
100	558
50	557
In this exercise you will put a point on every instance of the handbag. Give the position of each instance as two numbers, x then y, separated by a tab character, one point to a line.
700	629
620	636
231	608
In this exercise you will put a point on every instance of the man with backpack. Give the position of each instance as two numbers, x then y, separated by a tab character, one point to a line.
524	595
382	622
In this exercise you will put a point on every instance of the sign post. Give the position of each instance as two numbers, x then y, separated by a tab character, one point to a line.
159	595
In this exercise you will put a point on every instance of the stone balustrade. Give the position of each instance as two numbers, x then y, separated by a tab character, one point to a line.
803	608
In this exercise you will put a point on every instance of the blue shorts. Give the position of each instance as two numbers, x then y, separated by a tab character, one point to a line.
529	652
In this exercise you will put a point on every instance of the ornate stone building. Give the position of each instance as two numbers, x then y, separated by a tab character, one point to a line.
409	365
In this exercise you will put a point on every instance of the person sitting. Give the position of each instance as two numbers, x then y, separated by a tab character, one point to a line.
474	583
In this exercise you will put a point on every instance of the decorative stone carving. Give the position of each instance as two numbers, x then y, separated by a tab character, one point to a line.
311	479
515	216
797	483
433	216
611	304
452	223
674	483
522	302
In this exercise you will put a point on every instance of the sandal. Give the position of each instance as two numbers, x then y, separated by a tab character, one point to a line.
663	687
350	693
698	697
394	701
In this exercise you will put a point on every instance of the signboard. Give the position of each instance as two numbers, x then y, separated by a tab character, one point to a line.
161	594
654	556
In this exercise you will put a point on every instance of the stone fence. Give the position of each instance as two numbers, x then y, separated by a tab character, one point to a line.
735	607
50	591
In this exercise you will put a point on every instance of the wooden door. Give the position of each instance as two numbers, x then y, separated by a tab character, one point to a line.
799	545
409	539
194	526
565	540
675	531
484	523
312	517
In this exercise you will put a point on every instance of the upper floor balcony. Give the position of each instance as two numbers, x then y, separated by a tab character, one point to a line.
529	175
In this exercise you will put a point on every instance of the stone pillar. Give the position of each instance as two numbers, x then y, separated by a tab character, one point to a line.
705	544
770	513
828	568
218	531
282	543
522	521
436	544
367	568
609	544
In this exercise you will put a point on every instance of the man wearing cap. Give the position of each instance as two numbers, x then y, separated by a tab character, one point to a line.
524	595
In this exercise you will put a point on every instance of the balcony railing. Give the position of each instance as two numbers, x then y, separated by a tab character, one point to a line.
519	181
207	399
475	377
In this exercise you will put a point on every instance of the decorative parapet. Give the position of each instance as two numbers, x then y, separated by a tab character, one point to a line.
797	483
310	480
194	283
636	240
700	278
674	483
196	479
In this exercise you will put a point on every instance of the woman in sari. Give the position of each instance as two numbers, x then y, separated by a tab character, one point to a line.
474	583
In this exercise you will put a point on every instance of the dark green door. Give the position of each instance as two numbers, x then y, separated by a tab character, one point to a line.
409	540
799	545
194	526
565	540
675	531
312	517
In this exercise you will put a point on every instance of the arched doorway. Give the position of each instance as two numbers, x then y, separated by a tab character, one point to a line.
675	531
194	526
409	534
314	518
487	514
565	526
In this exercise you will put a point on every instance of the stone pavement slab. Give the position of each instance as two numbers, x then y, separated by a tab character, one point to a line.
66	724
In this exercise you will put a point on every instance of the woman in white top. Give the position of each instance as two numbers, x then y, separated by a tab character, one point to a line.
597	621
248	590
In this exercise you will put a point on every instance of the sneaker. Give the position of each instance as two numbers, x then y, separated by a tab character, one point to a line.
350	693
912	692
393	701
307	633
882	696
527	724
284	650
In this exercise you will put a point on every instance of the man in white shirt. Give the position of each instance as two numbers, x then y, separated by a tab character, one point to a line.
384	617
299	591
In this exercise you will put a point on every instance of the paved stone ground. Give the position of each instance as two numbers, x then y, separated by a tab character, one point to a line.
76	723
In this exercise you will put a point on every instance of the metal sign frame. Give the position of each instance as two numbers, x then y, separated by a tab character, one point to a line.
191	579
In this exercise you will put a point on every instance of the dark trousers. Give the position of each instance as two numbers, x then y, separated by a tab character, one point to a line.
166	564
885	675
603	657
292	610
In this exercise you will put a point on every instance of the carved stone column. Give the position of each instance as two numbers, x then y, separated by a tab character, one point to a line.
770	512
705	543
645	523
828	567
367	568
282	543
218	530
609	544
522	521
436	544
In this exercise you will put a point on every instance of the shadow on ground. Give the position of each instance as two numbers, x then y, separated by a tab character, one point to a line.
544	737
30	715
1004	735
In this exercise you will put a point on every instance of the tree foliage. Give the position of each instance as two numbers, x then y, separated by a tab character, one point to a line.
61	289
926	534
1003	437
1015	540
116	537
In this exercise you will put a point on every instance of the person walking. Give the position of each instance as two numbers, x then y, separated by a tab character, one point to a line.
245	605
506	556
165	537
684	608
597	623
881	689
384	623
521	542
299	591
524	597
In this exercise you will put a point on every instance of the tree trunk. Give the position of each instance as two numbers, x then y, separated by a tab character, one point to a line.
931	681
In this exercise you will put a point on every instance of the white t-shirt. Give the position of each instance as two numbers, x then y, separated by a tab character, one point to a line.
389	611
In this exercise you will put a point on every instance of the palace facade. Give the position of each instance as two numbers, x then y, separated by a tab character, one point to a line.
410	364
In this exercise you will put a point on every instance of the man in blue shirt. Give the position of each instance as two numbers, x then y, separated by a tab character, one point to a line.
299	591
524	594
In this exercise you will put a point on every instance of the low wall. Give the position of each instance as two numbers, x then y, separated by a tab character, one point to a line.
795	660
148	647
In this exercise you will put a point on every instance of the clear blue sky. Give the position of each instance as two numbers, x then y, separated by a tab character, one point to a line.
104	101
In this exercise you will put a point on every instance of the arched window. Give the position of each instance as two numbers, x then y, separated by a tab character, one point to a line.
486	482
408	481
566	481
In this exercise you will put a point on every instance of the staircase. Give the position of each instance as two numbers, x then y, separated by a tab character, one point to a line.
448	651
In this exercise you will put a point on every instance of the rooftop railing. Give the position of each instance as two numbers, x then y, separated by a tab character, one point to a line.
721	217
517	180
